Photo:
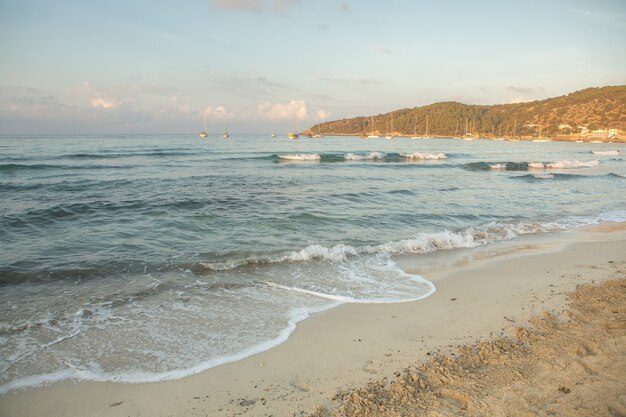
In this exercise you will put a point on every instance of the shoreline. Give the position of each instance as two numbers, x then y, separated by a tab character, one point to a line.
351	345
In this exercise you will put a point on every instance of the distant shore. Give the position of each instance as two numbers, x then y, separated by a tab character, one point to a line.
558	138
482	294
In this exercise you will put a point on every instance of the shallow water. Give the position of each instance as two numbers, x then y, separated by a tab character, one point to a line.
136	258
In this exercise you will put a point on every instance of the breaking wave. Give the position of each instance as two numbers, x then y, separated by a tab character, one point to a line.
419	155
527	166
420	243
606	153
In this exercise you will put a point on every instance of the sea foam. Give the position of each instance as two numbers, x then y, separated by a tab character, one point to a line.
564	164
420	155
606	153
301	157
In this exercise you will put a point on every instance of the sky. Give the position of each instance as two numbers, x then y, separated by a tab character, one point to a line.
140	66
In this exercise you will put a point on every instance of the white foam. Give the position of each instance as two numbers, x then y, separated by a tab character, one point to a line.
607	153
73	373
564	164
573	164
536	165
335	253
498	166
342	299
419	155
300	157
368	156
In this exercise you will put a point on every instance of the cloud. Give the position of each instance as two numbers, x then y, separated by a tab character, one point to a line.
178	107
239	5
387	51
523	90
295	109
100	102
218	112
345	7
322	114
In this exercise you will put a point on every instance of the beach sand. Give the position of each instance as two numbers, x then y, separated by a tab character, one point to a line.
467	350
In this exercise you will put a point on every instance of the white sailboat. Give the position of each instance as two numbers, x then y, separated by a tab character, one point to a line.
273	128
296	134
415	130
467	135
226	135
426	133
204	134
373	135
388	136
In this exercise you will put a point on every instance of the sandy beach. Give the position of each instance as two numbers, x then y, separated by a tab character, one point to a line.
469	349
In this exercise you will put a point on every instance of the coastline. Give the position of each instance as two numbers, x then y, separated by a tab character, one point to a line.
480	292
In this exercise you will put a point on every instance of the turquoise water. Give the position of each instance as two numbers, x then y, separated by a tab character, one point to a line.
147	257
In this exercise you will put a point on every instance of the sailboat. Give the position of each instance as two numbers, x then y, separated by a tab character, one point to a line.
415	130
467	135
273	128
319	131
372	135
426	133
226	135
388	136
295	135
204	134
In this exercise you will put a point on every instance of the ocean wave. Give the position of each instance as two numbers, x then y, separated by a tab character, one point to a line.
356	157
527	166
421	243
300	157
28	167
606	153
364	157
420	155
569	164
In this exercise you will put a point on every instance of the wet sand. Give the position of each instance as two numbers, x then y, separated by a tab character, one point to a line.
485	298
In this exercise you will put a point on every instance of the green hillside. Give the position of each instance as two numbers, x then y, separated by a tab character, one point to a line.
596	108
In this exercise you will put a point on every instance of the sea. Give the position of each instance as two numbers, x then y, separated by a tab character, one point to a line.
137	258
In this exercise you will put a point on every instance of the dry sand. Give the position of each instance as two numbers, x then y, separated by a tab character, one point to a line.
562	363
572	367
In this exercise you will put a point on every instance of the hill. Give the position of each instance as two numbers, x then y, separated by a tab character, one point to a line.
594	108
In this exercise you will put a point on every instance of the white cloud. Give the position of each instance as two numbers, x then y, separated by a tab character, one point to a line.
295	109
100	102
218	112
322	114
178	107
519	99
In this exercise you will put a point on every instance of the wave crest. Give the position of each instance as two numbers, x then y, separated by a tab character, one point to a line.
420	155
607	153
301	157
